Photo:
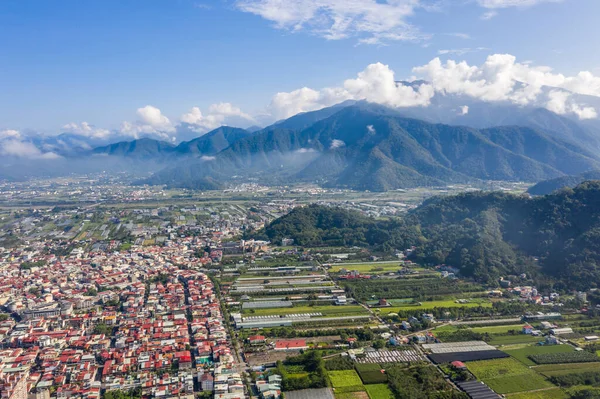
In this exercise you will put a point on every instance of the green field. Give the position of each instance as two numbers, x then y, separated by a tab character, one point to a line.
328	310
553	393
344	378
523	354
507	376
367	267
498	329
437	304
379	391
551	370
514	339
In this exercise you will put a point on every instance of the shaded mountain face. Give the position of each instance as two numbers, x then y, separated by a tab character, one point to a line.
212	142
371	147
549	186
142	148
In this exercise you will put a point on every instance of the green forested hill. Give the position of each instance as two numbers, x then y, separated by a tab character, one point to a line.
485	235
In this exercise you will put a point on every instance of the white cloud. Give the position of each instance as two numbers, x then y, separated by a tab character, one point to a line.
377	83
335	143
371	21
493	4
151	122
152	116
23	149
464	110
9	133
86	130
459	35
461	51
501	78
218	115
305	150
559	103
371	129
486	16
207	158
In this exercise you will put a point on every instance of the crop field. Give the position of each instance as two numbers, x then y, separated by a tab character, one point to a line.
436	304
351	395
553	393
523	354
507	376
370	373
344	378
379	391
498	329
369	267
564	357
327	310
555	370
514	339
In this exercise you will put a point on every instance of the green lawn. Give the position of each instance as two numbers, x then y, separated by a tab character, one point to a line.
437	304
507	375
523	353
379	391
344	378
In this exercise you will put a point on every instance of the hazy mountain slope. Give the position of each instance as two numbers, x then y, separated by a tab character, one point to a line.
142	148
212	142
549	186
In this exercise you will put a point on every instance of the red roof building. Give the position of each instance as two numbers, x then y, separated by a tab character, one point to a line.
290	344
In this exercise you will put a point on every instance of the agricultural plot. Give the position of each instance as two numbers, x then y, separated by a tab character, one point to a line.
344	378
562	358
473	303
507	376
556	370
368	267
514	339
370	373
379	391
552	393
523	354
406	356
328	310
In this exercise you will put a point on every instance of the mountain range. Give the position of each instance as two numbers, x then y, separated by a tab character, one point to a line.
371	147
363	146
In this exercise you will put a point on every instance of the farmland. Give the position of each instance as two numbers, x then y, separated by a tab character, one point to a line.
436	304
514	339
344	378
552	393
569	357
327	310
523	354
554	370
379	391
507	376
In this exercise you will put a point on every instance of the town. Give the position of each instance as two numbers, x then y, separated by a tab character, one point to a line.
163	300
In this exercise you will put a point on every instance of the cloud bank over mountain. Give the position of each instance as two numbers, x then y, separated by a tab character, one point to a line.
499	79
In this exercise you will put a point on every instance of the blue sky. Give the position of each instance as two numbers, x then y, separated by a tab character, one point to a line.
101	62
